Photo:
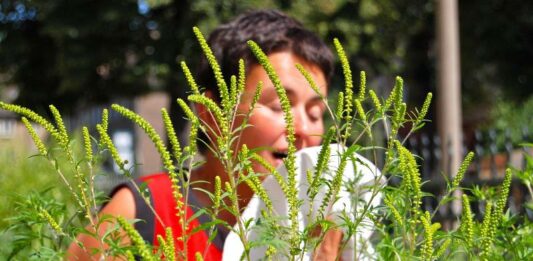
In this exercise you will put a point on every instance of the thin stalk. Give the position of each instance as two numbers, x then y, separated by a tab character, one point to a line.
385	125
91	186
186	191
411	131
237	211
530	189
53	163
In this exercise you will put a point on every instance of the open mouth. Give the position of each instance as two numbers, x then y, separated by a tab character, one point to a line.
279	154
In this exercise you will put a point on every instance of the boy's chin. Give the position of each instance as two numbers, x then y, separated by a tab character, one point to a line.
277	162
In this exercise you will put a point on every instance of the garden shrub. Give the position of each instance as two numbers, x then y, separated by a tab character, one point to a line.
27	183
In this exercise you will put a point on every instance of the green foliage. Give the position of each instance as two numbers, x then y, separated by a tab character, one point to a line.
141	247
402	228
34	231
511	119
23	222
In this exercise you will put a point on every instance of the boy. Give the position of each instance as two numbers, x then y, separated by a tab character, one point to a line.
286	42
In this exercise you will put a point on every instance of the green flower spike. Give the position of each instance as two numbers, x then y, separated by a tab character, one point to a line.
104	124
427	247
309	79
290	159
362	87
435	227
424	110
360	110
462	170
257	95
213	108
170	244
233	197
192	148
32	116
161	148
336	183
195	124
309	178
233	90
38	142
271	251
253	181
399	113
167	244
105	119
497	213
241	83
323	158
87	144
486	240
106	141
270	169
255	184
467	224
442	249
411	176
222	87
398	118
198	256
362	115
284	100
163	245
60	126
340	106
375	100
50	220
130	256
190	78
348	83
136	239
150	131
504	194
218	193
171	133
395	213
397	94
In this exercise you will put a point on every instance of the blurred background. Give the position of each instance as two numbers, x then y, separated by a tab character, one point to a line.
83	55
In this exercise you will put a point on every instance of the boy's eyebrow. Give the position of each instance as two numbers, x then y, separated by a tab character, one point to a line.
291	92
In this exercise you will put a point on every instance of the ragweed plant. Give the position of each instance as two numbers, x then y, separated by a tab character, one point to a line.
378	219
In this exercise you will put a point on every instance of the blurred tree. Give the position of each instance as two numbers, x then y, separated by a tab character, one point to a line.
88	51
497	53
71	52
75	53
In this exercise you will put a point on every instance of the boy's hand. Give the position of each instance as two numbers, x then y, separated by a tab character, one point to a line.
329	248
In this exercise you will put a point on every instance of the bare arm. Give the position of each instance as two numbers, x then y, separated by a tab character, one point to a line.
121	204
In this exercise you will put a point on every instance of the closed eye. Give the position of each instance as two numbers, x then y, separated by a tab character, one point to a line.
316	111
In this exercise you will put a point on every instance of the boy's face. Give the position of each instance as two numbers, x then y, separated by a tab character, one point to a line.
268	130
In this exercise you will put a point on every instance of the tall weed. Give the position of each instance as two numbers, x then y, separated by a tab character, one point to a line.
402	228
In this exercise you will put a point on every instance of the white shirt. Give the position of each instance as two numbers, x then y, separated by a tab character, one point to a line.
364	176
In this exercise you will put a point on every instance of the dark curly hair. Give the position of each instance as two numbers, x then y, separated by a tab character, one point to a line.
273	31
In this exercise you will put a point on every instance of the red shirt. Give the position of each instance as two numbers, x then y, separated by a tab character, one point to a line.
159	190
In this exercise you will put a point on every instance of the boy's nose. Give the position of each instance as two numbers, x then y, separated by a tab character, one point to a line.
302	128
